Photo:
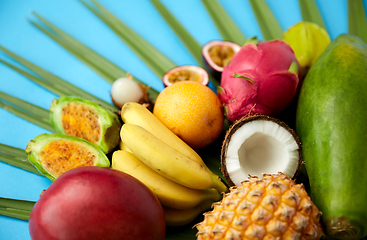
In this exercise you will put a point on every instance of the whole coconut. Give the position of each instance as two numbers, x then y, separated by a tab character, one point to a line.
97	203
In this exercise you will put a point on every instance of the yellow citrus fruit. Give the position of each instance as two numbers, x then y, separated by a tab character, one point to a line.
192	111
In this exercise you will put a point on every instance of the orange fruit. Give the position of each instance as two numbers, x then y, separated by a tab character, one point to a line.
192	111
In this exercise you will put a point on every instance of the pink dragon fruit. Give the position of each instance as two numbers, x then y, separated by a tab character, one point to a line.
262	78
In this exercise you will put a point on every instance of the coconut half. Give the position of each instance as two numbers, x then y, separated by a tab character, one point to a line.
259	145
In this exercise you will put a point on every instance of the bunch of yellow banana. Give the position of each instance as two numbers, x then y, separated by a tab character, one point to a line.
174	172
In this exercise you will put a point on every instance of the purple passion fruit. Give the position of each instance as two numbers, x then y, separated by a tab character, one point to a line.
186	73
217	54
94	203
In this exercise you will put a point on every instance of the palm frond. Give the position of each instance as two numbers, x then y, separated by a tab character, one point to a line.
26	110
225	25
310	12
189	41
191	44
152	57
15	208
101	65
269	25
357	21
15	213
16	157
16	204
50	81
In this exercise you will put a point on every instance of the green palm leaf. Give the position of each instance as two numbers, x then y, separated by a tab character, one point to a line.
102	66
269	25
19	209
15	213
25	110
50	81
16	204
153	58
16	157
357	21
310	12
226	27
191	44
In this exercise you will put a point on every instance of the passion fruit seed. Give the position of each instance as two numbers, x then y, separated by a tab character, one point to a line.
221	55
82	118
54	154
78	119
217	54
183	75
61	156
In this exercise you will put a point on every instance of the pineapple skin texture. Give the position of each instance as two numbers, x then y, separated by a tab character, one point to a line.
267	208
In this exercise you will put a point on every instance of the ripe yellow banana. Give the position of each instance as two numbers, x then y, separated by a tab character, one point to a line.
170	194
123	146
163	159
137	114
181	217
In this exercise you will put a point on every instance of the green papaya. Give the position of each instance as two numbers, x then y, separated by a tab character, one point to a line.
331	124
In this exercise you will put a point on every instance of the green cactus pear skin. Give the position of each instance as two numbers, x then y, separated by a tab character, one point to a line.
85	119
331	124
55	154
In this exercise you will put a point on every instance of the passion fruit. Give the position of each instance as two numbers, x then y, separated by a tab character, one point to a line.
217	54
186	73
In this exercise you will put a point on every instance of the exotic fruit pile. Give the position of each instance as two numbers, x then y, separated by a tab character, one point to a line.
271	207
264	141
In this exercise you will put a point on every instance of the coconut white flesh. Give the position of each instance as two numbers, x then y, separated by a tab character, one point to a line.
261	147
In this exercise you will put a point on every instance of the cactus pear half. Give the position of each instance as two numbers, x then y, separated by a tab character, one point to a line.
262	78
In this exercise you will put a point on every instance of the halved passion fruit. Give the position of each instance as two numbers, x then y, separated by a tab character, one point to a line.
217	54
186	73
259	145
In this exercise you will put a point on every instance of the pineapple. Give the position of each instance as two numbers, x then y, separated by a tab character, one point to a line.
271	207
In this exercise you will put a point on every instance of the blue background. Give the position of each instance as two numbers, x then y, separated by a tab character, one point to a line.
19	36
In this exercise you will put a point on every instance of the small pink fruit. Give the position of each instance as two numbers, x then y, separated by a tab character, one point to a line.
90	203
262	78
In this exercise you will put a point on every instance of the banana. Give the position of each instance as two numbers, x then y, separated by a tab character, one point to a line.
137	114
123	146
181	217
163	159
170	194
